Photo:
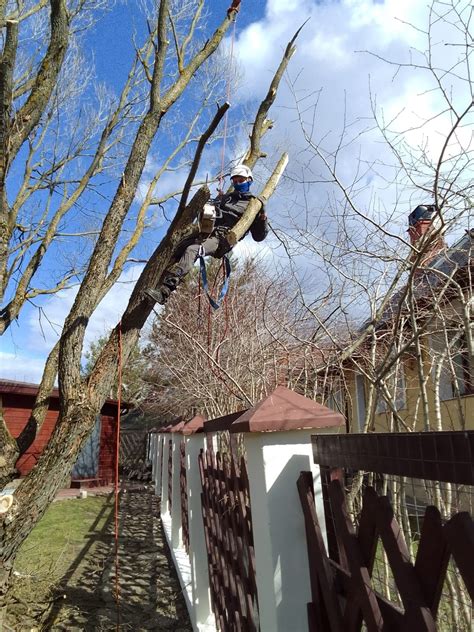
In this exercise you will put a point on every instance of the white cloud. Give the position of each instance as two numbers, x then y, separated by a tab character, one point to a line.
326	59
249	249
20	366
41	329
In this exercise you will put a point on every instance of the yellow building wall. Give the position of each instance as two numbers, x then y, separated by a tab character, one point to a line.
455	415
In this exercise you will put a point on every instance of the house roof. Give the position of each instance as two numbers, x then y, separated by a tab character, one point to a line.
13	387
456	257
449	263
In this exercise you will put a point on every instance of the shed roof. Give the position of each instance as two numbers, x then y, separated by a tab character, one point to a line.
30	389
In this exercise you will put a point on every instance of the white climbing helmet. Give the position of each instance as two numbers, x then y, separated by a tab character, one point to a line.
241	170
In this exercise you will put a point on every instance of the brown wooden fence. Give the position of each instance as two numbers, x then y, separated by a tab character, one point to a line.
133	458
170	474
346	594
184	496
229	541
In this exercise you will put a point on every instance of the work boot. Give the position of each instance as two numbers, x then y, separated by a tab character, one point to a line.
161	294
158	295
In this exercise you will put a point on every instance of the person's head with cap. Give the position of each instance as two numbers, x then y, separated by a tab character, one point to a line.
242	178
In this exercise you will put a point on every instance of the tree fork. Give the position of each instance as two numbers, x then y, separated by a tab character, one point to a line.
76	323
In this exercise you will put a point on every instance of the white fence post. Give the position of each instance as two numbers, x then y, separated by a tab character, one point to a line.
176	524
164	476
195	441
277	438
157	473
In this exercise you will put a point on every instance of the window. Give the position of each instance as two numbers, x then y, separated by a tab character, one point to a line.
335	401
335	396
457	372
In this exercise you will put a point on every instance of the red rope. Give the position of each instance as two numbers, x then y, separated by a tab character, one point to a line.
235	6
215	371
116	482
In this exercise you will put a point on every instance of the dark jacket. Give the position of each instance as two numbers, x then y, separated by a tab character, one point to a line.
230	208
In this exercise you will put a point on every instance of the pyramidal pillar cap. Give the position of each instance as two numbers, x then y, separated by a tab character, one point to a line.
195	425
285	410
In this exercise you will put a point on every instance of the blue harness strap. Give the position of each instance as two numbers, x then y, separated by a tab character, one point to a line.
225	285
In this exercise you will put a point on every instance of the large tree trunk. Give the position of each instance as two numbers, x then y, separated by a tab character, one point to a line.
6	568
81	400
8	455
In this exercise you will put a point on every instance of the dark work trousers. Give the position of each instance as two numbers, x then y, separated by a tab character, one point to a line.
186	263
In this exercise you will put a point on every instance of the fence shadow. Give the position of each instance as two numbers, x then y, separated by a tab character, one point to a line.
149	591
288	561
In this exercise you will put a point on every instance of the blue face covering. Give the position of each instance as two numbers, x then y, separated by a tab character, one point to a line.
243	187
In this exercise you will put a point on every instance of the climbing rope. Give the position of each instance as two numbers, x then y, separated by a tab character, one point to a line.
225	267
215	304
228	96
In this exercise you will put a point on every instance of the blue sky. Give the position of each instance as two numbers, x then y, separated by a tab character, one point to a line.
330	62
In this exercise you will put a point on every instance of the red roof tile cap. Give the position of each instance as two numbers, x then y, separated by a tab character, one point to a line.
286	410
195	425
177	427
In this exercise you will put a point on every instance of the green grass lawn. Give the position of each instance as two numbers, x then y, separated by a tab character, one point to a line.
51	548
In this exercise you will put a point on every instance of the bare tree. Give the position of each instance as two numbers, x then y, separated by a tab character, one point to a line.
393	302
171	58
401	356
216	363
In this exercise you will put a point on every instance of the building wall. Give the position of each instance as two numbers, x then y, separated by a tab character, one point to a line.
452	411
16	412
107	448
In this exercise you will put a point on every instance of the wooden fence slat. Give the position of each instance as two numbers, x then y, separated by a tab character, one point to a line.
229	542
184	496
459	532
391	613
432	558
226	545
242	482
244	598
367	538
360	577
323	591
162	447
418	616
221	572
170	474
367	532
247	558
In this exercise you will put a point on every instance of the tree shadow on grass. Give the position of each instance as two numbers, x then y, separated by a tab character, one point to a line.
149	593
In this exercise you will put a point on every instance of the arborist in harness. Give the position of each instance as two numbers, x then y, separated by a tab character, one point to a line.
218	217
